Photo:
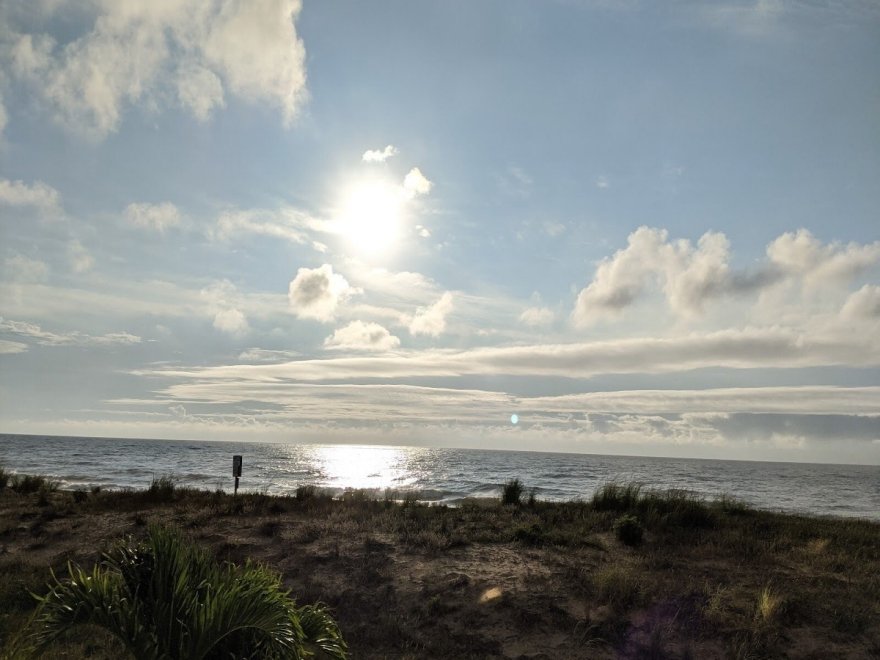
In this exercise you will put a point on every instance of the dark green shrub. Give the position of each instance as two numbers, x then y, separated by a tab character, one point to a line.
511	492
4	478
629	530
532	535
167	598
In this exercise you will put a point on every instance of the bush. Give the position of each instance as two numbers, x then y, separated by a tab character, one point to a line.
511	492
4	478
629	530
306	492
168	598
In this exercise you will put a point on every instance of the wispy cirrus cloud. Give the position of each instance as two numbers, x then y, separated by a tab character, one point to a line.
38	335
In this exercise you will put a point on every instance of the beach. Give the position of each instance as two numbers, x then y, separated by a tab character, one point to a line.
491	580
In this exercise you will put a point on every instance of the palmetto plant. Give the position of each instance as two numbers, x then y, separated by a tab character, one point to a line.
168	599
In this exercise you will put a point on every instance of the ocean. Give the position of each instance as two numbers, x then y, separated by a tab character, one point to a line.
439	475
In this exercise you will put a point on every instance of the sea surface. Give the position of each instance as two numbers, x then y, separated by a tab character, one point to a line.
438	475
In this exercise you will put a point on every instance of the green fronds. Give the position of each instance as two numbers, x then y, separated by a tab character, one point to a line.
168	599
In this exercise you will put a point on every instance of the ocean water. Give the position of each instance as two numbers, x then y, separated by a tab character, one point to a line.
439	475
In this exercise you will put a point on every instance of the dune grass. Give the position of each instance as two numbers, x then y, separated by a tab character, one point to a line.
707	578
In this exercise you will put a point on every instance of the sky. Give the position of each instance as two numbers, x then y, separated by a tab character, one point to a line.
578	225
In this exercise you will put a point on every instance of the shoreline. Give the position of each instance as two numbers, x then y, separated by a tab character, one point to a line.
533	580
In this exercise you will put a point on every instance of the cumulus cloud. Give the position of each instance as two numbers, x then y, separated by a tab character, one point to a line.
80	259
315	293
35	333
359	335
692	276
863	304
154	217
147	53
537	316
37	195
432	320
415	183
622	278
379	155
20	268
802	254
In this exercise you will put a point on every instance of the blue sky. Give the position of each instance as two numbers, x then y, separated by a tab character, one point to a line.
642	228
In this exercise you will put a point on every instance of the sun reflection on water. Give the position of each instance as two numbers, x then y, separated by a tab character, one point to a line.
348	466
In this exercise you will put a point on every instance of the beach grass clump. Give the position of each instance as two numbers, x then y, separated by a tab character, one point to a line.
511	492
168	598
4	478
614	496
27	484
617	586
628	530
162	488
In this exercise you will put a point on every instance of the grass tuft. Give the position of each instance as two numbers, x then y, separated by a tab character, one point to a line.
511	492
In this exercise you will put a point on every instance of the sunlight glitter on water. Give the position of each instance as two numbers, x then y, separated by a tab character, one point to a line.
346	466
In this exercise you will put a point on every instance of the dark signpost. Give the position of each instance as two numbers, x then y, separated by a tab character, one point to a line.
236	471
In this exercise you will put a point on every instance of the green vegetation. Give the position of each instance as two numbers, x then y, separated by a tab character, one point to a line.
166	598
511	492
408	580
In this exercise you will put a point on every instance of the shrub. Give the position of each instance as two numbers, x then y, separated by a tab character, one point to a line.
167	598
511	492
629	530
617	586
4	478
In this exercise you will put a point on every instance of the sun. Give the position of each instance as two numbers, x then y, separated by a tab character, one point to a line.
371	216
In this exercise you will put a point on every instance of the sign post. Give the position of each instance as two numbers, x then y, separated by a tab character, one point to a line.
236	471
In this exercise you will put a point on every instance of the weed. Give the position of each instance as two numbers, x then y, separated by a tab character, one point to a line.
617	586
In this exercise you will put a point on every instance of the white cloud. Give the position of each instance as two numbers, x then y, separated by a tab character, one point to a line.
415	183
44	337
359	335
864	303
154	217
266	355
141	54
222	300
38	195
423	231
285	223
11	347
537	316
620	279
692	275
432	320
199	89
80	259
602	182
379	155
764	348
802	254
20	268
315	293
231	321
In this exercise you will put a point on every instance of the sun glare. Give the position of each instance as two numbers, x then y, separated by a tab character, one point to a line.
371	216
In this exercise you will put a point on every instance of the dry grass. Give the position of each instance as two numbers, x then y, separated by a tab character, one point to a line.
709	579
